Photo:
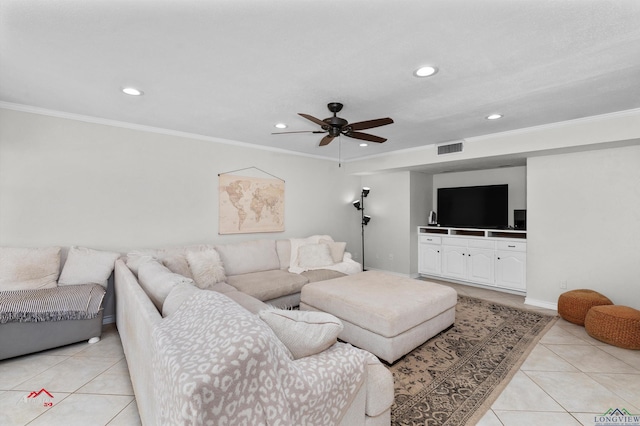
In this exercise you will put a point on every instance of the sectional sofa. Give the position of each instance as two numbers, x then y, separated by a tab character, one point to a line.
203	347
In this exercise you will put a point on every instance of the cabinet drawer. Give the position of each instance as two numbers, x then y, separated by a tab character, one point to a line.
429	239
458	242
488	244
512	245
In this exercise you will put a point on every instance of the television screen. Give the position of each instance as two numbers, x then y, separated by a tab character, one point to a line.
474	206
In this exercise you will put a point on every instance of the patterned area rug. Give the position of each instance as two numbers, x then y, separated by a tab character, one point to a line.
454	378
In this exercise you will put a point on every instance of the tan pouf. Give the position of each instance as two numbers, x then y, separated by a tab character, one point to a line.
574	305
616	325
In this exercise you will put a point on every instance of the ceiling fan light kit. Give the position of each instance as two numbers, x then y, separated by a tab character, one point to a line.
336	126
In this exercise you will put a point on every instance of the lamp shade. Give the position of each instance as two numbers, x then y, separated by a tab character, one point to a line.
365	191
366	219
356	204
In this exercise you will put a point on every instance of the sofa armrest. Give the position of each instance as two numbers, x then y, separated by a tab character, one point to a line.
336	375
380	391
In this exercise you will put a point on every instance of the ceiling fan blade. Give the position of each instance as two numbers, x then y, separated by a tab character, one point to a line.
299	131
365	137
315	120
370	124
326	140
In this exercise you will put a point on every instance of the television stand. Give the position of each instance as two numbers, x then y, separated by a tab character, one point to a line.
487	257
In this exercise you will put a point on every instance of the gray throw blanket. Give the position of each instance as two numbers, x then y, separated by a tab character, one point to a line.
69	302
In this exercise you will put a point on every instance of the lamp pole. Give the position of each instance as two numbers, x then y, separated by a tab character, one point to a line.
364	218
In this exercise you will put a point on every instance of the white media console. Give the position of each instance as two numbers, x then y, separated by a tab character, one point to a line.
490	257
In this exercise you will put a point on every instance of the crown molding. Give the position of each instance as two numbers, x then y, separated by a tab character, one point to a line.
150	129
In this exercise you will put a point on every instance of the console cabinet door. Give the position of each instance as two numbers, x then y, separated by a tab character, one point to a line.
430	259
481	264
511	270
454	262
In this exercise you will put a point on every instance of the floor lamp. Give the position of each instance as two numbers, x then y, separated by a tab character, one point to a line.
359	204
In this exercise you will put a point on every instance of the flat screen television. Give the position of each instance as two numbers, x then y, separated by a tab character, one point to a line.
474	207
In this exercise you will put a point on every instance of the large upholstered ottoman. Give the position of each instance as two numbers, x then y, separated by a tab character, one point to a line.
385	314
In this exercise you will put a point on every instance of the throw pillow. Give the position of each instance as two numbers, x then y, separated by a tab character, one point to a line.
314	256
337	250
206	268
177	296
87	266
178	264
29	268
304	333
158	281
136	258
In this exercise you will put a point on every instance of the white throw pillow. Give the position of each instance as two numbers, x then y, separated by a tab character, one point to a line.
87	266
314	256
157	281
29	268
337	250
304	333
206	268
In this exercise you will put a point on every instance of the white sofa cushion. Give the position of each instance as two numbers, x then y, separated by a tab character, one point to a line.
312	256
268	285
304	333
178	263
206	268
29	268
158	281
248	257
87	266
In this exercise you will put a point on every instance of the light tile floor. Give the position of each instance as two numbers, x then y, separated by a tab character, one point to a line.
568	379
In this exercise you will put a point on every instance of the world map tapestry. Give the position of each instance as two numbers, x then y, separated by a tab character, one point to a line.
250	204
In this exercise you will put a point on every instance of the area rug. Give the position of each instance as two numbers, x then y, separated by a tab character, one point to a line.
453	378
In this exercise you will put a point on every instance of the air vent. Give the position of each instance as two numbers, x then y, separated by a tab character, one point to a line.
450	148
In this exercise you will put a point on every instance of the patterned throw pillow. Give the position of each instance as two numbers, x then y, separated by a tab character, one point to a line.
206	268
304	333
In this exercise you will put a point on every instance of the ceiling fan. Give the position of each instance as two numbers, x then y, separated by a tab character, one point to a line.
336	126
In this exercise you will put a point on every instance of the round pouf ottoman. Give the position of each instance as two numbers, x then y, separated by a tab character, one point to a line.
574	305
616	325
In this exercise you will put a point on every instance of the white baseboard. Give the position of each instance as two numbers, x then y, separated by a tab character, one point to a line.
398	274
108	319
540	303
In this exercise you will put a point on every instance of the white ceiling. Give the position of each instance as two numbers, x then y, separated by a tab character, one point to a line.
231	69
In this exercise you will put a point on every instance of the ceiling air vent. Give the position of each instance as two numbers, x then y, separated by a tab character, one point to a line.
450	148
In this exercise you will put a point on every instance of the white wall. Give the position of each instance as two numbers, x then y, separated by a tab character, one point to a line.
387	235
421	203
515	177
69	182
584	224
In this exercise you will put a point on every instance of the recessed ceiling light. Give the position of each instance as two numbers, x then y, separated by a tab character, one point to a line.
364	144
132	91
280	126
493	116
425	71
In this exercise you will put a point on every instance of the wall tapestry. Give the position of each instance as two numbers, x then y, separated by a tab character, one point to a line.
250	204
